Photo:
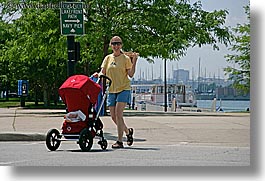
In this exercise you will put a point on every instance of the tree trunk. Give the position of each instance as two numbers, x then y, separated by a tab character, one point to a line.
36	97
46	99
55	96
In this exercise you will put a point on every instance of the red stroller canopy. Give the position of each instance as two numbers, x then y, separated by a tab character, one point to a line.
79	86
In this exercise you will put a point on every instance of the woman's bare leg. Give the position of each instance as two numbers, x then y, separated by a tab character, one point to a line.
121	126
113	115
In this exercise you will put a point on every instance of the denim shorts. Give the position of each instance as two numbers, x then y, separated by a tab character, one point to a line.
123	96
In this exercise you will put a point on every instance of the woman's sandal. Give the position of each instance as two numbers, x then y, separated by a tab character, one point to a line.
118	144
130	137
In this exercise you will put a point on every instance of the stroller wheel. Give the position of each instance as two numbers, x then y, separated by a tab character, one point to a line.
52	139
103	144
85	140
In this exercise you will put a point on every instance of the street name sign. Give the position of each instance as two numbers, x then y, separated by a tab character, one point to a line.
72	18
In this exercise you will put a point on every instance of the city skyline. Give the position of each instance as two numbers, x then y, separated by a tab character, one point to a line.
212	62
149	72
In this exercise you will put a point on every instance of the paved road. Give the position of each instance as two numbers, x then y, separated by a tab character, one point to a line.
160	139
69	154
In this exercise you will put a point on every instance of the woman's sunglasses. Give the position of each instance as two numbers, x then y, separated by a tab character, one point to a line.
115	43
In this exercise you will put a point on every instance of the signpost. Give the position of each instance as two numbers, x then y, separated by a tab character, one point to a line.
72	23
72	18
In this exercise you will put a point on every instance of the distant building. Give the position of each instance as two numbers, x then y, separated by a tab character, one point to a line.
181	76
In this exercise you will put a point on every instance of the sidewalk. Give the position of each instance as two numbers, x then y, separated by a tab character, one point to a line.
151	128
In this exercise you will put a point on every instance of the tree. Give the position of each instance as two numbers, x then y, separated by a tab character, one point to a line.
154	28
36	52
241	45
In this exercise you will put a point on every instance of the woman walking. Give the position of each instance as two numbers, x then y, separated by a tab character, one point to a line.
118	66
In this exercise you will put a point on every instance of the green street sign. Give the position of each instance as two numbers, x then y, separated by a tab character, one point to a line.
72	18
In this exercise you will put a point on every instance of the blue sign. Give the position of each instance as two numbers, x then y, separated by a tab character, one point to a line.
23	88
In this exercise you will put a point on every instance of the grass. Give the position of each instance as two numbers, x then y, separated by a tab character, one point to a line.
29	105
8	104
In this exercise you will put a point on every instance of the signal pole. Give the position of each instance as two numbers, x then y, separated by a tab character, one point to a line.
71	55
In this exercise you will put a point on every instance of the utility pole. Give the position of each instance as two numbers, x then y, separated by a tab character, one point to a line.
199	75
165	81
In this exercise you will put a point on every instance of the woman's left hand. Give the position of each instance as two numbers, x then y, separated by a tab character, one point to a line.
135	57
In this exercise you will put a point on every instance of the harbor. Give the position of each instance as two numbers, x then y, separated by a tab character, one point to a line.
181	97
202	106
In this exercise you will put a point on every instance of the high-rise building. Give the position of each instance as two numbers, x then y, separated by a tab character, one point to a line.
181	76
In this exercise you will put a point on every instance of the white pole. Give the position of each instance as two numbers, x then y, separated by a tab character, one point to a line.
213	109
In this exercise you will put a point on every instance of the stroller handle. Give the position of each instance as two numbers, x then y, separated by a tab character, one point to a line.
105	77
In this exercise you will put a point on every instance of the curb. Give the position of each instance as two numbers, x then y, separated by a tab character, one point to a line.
22	137
156	113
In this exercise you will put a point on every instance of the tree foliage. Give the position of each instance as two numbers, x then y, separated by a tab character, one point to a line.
32	47
240	71
155	28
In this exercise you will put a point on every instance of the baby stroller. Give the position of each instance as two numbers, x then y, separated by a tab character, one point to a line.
80	94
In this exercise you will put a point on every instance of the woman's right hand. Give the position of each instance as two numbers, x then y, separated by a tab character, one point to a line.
96	74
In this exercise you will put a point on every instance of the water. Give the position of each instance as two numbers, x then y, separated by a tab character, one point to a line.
227	106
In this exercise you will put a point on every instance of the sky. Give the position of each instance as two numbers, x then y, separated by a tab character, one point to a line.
212	62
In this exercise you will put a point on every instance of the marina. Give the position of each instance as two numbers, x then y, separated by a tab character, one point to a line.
180	98
202	106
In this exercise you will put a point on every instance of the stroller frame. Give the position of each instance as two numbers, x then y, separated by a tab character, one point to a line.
85	137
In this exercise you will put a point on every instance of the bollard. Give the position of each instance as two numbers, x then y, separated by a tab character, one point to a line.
213	108
173	106
143	106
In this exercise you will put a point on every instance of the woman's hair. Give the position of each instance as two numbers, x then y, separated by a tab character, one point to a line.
115	39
